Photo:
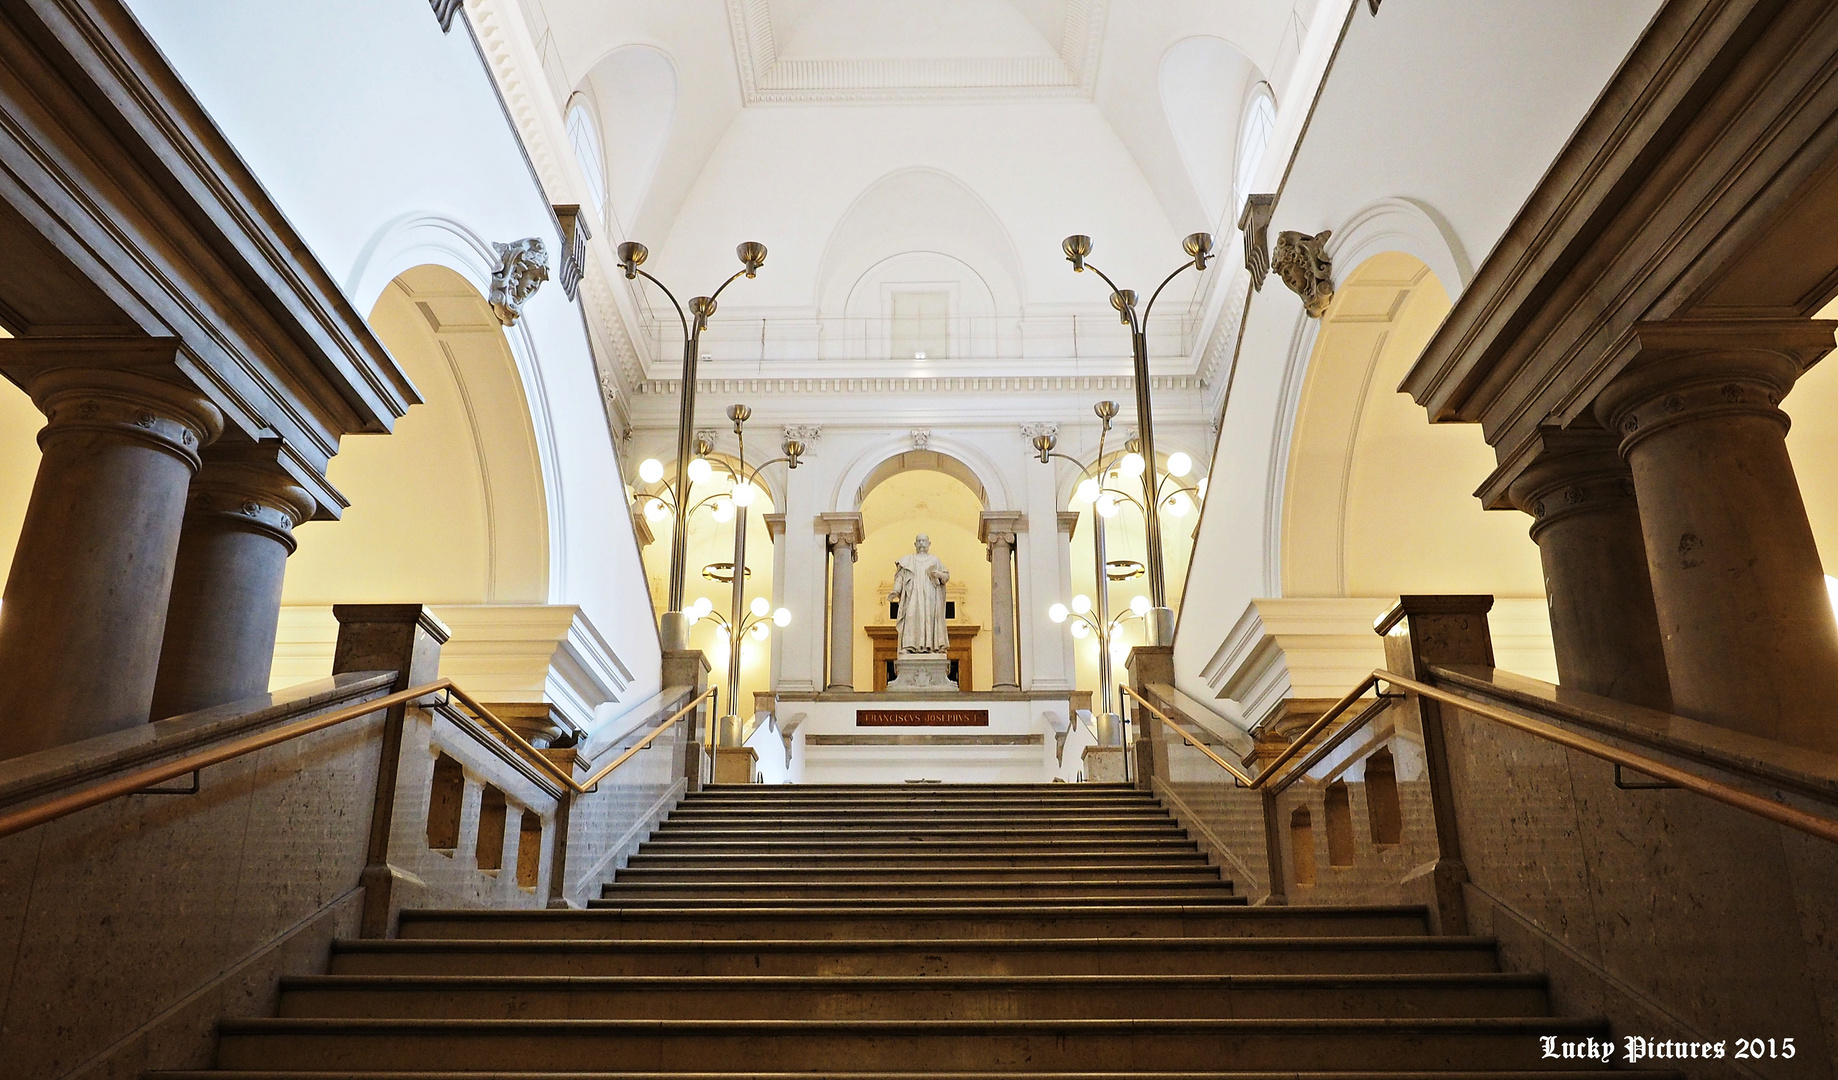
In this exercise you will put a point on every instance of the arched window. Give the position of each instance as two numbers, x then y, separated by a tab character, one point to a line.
584	135
1253	139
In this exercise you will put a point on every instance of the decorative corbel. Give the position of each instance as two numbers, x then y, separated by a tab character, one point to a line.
1254	222
1304	265
445	11
523	265
575	235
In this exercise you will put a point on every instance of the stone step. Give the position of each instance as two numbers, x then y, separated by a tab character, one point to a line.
843	805
1071	818
1341	955
1210	1074
852	1046
1038	997
1191	887
926	828
862	919
843	845
1195	868
914	853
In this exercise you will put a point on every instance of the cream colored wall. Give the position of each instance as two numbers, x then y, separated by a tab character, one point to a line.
901	507
1378	502
1813	444
449	508
19	424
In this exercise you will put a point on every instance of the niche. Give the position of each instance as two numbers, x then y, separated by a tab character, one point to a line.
446	802
529	850
1302	845
1339	825
491	829
1382	799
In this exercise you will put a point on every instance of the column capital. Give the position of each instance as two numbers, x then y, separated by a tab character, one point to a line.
1689	369
775	525
246	486
1000	526
126	387
1557	473
841	528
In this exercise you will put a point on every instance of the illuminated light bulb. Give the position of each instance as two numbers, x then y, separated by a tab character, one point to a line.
760	606
1179	505
1058	613
1087	491
759	631
781	617
1081	604
722	510
743	494
693	616
1139	604
1131	465
721	634
650	470
655	511
703	606
700	470
1179	464
1107	505
1202	487
1079	630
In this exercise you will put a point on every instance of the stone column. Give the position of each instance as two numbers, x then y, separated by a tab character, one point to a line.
775	530
1596	584
843	533
1749	636
226	586
85	603
997	528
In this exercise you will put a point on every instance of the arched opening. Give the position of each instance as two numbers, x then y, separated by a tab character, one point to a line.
1302	846
1382	809
1376	501
1202	94
909	494
1339	813
635	91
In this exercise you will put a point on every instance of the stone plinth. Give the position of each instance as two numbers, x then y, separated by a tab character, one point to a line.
1104	765
735	764
924	672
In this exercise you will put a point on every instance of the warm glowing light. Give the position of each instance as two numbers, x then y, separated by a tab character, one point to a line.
721	635
1081	604
760	606
702	606
722	510
1131	465
781	617
1107	505
1087	491
650	470
1179	505
759	631
744	494
1139	604
700	470
1119	650
1179	464
1831	589
1202	487
1058	612
655	511
1079	629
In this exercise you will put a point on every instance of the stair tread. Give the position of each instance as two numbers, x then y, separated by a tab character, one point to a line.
336	1025
753	983
1286	1074
1045	944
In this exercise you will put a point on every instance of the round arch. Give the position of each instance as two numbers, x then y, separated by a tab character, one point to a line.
891	457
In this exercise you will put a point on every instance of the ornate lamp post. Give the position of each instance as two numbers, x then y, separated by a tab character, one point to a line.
1199	248
673	628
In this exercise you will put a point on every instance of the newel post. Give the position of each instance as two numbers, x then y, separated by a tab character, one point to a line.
1148	665
1420	632
688	667
406	639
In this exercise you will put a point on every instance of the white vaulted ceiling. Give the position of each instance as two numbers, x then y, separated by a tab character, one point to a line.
955	142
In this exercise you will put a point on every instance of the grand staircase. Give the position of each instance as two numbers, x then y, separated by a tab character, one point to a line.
911	930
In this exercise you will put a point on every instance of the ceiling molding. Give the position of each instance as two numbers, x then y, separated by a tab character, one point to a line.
765	79
943	384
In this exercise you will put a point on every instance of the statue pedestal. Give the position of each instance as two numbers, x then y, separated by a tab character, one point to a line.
922	672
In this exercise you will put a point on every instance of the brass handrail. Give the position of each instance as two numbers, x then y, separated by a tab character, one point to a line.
1263	777
141	779
1777	812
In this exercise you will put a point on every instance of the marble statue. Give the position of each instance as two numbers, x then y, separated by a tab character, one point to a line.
919	587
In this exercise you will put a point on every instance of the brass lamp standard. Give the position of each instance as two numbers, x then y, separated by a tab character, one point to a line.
673	628
745	487
1199	248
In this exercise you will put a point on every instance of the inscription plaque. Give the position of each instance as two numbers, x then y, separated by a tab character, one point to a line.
922	718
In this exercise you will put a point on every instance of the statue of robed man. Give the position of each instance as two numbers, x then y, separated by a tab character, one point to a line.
919	587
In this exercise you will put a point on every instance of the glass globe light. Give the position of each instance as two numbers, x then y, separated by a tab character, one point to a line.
759	631
1080	630
703	606
721	634
1107	505
743	494
722	510
1087	491
1058	613
655	511
781	617
650	470
760	606
700	470
1139	604
1179	505
1132	465
1179	464
1081	604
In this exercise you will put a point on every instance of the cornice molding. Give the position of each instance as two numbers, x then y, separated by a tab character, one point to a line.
765	79
968	385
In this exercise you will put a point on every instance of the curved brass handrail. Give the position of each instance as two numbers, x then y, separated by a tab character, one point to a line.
1777	812
141	779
